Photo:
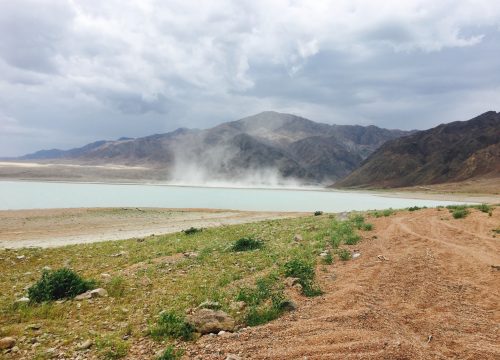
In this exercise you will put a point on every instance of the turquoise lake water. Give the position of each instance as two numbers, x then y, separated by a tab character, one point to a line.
37	195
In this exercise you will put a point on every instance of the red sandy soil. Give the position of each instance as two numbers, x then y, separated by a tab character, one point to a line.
436	296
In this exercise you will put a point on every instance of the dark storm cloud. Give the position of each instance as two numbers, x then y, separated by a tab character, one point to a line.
76	71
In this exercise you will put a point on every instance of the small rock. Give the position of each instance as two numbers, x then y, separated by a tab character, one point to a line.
324	254
121	253
291	281
233	357
297	237
14	349
105	275
237	305
34	327
85	345
46	268
23	300
288	305
85	295
20	257
356	255
220	333
207	321
190	254
100	292
7	343
214	305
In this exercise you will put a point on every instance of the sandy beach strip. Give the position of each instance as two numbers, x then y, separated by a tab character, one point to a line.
58	227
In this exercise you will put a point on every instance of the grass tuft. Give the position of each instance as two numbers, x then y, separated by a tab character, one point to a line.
170	353
170	325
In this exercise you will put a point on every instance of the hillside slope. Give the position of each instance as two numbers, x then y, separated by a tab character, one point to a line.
265	145
451	152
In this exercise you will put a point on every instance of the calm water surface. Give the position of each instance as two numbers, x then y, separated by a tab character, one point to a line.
37	195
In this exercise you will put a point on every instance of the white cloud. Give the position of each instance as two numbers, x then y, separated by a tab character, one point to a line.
151	56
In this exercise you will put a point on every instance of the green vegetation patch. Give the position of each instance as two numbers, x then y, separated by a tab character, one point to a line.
171	325
247	244
304	270
58	284
170	353
192	230
344	254
111	348
380	213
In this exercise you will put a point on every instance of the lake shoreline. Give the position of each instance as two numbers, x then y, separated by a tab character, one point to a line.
47	228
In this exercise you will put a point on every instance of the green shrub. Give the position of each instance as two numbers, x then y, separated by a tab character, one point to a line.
258	315
318	213
344	254
415	208
112	348
264	288
192	230
328	259
116	286
170	353
246	244
305	272
173	326
388	212
460	213
58	284
484	208
367	227
358	220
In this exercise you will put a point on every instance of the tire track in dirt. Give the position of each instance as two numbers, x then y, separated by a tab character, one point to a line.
437	281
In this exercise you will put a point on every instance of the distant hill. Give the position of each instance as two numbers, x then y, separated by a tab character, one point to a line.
264	145
450	152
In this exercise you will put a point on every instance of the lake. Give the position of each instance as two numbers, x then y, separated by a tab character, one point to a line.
16	195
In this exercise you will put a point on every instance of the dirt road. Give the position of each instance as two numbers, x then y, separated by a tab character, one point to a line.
436	296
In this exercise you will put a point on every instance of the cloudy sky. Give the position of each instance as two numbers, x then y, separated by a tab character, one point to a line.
76	71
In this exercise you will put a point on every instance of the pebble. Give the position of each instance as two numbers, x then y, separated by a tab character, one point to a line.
85	345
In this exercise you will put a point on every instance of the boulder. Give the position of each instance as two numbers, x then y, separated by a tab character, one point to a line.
206	321
7	343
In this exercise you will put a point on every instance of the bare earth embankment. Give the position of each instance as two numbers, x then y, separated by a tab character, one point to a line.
58	227
435	296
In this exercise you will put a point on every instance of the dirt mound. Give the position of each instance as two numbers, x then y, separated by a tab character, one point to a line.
432	294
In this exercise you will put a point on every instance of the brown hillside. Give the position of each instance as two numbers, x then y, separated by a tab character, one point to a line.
447	153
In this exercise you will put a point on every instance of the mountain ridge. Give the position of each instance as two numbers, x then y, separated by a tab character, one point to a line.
289	145
451	152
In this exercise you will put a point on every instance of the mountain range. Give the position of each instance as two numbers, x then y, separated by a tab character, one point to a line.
259	147
452	152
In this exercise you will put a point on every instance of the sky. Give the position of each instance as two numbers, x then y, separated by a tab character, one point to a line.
72	72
